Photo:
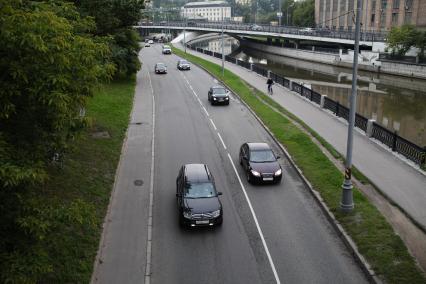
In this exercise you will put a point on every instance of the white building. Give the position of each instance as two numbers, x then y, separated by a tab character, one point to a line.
212	11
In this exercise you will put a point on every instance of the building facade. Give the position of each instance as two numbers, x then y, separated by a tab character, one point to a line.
212	11
377	15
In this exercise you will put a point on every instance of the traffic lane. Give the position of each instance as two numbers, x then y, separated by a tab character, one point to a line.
289	216
184	135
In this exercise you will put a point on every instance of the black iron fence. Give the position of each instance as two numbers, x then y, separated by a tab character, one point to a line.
391	139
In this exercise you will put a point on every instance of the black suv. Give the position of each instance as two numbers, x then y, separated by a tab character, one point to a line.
197	198
260	163
218	95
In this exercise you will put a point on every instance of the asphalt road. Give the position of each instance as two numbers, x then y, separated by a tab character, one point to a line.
284	231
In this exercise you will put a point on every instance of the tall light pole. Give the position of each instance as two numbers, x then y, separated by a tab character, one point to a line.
346	203
223	53
184	28
279	13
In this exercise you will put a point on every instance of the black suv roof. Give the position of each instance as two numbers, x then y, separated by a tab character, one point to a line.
197	173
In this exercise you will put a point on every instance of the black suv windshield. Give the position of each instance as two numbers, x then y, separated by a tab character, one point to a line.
219	91
183	62
160	65
199	190
262	156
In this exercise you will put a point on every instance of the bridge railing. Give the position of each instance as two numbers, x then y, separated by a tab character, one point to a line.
228	26
391	139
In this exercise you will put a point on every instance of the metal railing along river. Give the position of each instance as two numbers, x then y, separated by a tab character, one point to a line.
391	139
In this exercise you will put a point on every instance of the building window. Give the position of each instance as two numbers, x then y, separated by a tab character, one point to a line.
334	5
382	20
394	19
407	18
395	4
408	5
373	5
384	4
373	18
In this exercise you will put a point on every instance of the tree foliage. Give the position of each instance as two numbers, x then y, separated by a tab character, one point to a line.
304	13
52	57
401	39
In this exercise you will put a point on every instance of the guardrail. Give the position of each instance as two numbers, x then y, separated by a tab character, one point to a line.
391	139
336	34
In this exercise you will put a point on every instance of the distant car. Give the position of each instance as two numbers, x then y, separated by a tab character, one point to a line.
255	27
182	64
147	45
160	68
167	49
150	41
197	198
260	163
307	30
218	95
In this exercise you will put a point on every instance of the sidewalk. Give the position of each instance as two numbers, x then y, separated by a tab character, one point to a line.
400	182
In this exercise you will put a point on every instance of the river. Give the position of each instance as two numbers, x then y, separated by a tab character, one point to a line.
397	103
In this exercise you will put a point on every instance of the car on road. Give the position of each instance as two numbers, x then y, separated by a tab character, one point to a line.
150	41
260	163
197	198
307	30
167	49
147	45
182	64
255	27
218	95
160	68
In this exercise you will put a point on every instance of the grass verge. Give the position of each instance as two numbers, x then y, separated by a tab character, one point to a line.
81	189
374	237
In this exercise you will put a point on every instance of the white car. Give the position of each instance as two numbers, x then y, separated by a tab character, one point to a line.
147	45
307	30
151	41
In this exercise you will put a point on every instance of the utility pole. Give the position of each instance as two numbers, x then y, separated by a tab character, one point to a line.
223	53
184	29
346	203
279	13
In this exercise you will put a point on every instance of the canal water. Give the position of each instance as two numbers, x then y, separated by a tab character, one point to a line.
397	103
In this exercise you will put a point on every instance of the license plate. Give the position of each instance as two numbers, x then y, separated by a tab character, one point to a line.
202	222
267	179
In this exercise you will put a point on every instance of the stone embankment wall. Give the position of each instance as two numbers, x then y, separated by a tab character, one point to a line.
367	62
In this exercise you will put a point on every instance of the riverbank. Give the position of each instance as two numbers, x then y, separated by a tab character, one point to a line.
368	61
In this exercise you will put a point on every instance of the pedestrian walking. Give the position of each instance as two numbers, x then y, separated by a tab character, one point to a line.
270	83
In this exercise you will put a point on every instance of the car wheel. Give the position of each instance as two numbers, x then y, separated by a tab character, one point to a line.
181	221
227	103
219	223
241	160
249	179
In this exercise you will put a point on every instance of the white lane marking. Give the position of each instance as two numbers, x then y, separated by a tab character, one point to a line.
214	126
151	194
205	110
271	262
221	140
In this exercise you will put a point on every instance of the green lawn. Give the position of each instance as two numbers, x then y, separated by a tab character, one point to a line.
74	201
374	237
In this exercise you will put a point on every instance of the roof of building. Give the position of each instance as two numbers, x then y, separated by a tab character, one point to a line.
203	4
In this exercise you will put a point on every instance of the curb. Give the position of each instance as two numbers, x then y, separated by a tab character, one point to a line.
350	244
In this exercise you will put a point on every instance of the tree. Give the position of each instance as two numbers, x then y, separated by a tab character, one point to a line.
401	39
304	13
420	43
50	64
114	20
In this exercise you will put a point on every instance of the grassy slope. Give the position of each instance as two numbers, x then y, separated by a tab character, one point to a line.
372	234
88	176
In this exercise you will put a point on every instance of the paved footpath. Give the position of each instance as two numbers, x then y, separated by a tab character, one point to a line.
399	181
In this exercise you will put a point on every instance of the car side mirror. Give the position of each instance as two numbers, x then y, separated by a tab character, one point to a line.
219	193
278	157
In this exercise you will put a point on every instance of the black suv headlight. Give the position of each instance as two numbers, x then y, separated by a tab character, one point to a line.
187	214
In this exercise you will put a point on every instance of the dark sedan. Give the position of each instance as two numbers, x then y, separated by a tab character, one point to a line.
260	163
182	64
197	198
218	95
160	68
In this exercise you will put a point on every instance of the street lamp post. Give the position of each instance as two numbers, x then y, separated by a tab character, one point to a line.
346	203
280	13
184	29
223	53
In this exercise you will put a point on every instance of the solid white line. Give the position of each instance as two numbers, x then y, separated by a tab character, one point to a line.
214	126
221	140
271	262
151	194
